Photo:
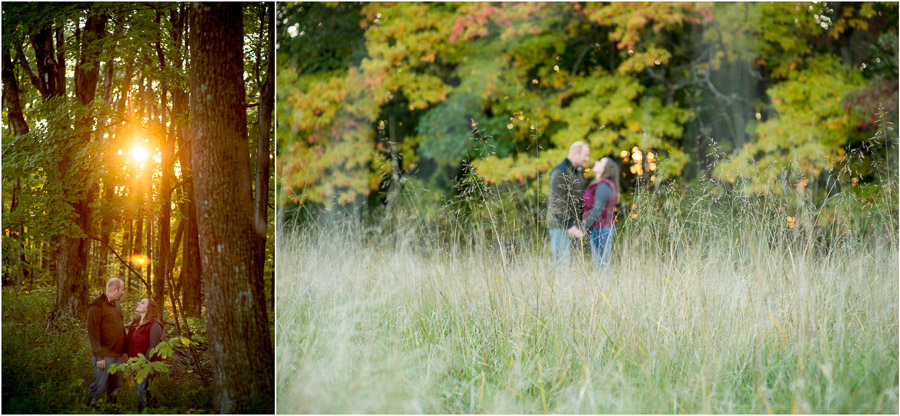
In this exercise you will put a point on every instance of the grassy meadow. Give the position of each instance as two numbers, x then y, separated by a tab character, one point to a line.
718	302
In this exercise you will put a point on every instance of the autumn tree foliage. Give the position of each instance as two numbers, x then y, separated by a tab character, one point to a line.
420	91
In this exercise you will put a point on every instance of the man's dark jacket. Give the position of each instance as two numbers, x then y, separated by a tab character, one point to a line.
567	183
106	330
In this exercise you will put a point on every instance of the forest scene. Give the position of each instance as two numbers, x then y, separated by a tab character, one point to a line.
753	260
138	156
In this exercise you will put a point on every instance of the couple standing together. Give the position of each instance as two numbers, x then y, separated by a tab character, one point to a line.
110	344
578	209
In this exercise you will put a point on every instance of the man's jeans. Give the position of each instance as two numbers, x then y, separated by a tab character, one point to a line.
560	249
143	392
105	382
601	248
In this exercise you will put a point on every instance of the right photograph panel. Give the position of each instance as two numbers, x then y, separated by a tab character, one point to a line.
587	208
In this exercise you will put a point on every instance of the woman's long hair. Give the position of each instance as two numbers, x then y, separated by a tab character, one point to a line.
152	311
611	172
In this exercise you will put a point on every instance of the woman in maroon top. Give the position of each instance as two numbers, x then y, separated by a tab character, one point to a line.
599	215
144	333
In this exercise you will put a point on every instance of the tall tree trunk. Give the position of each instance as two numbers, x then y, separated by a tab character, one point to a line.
20	127
71	295
263	153
237	321
190	279
108	187
11	96
130	209
165	214
60	57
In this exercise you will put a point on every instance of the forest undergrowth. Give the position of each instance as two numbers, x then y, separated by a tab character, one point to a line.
47	367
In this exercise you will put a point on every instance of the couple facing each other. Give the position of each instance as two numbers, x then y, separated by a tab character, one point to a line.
111	344
578	209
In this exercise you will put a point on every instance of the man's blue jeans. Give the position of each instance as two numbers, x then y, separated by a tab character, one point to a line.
560	249
104	382
601	247
143	394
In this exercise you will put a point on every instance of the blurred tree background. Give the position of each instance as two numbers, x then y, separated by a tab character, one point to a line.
438	98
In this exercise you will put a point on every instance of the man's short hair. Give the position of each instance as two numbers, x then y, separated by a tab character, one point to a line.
578	146
114	283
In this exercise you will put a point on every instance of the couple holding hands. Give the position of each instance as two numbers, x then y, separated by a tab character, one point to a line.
579	209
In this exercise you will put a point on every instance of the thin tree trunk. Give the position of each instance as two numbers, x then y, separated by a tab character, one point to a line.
263	154
139	232
108	188
237	321
20	127
126	246
159	283
150	256
191	277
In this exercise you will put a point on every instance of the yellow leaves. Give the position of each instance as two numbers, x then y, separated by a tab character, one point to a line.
633	126
809	131
637	61
629	19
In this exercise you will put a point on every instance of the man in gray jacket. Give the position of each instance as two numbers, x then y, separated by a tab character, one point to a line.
567	184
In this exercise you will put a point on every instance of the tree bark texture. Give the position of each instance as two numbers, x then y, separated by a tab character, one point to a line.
241	351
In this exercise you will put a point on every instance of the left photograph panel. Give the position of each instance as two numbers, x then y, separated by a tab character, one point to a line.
138	216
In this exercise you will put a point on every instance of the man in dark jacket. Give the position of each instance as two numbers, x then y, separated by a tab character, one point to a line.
106	331
567	184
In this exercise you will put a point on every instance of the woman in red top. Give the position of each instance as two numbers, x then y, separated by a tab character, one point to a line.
599	211
144	333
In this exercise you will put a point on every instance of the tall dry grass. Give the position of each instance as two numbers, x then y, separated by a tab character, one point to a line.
715	304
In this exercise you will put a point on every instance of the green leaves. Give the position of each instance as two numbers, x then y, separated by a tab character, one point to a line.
35	157
143	367
810	131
